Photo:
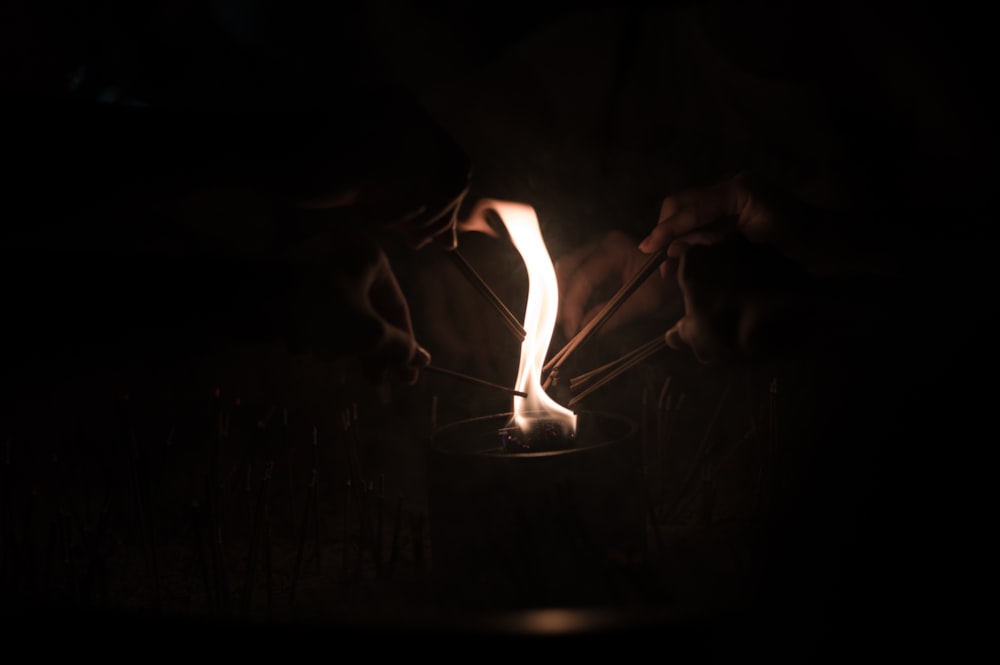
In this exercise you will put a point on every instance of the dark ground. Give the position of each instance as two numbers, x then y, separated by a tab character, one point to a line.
855	519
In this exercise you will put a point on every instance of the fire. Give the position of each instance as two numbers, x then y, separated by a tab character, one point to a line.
539	318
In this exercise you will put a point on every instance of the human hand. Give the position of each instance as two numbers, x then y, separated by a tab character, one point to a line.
710	214
454	320
350	303
741	301
590	275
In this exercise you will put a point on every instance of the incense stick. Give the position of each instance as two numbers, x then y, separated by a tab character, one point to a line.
613	305
472	379
578	382
257	536
315	497
629	361
202	558
489	294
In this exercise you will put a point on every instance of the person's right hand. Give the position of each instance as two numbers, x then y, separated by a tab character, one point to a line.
708	215
348	302
741	301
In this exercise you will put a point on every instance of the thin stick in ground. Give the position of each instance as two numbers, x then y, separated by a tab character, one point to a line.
256	536
302	539
703	451
199	543
315	496
396	526
380	510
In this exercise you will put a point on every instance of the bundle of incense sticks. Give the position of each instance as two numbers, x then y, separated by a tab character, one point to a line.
614	369
489	294
591	329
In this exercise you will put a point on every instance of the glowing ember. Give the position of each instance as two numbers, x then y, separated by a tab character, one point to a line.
536	416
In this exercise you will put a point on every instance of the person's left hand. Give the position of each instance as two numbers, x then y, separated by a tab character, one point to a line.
589	275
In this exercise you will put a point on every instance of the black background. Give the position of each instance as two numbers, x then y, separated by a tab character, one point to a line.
593	113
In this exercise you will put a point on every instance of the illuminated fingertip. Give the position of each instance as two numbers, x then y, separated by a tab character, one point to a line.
422	357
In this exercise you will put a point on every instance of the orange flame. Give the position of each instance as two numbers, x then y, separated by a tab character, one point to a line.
540	313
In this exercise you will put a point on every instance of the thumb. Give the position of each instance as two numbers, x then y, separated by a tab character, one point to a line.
683	335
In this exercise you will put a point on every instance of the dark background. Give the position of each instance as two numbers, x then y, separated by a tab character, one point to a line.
591	112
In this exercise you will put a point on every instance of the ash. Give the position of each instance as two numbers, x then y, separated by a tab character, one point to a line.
545	436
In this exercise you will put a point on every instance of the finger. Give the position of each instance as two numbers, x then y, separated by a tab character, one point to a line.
394	350
674	339
565	267
419	236
683	335
592	272
684	221
397	346
710	234
387	299
687	212
477	224
448	240
390	353
435	213
679	247
421	358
